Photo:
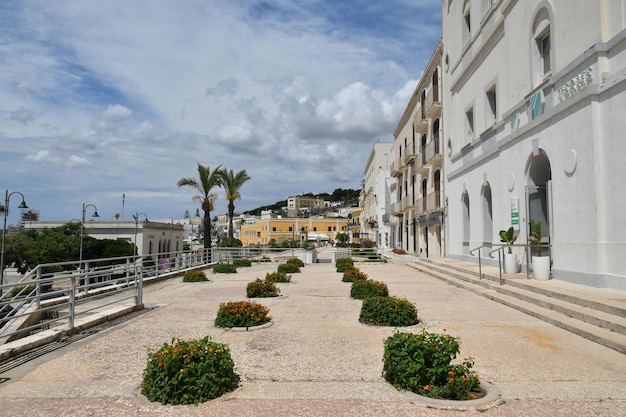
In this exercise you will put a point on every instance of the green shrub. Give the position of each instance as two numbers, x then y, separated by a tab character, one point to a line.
194	276
277	277
295	261
224	268
364	288
388	311
421	363
353	274
241	314
344	263
288	268
242	263
188	372
22	291
260	288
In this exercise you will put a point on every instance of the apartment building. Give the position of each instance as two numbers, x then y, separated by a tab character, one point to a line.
375	196
533	109
312	230
418	166
301	204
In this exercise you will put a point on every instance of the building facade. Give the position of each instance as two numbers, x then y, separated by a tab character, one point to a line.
418	166
375	197
533	103
309	230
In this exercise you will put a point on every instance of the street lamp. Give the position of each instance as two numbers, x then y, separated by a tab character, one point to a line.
82	232
23	205
136	217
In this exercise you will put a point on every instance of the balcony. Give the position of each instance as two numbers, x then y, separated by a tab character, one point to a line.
432	104
395	169
431	156
431	203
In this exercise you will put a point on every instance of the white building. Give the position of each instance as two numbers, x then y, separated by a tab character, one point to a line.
533	108
375	196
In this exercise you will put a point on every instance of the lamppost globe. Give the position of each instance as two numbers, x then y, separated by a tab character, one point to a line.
136	217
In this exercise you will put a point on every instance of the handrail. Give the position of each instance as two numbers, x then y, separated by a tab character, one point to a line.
480	268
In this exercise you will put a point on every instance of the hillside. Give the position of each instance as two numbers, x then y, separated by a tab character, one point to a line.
347	197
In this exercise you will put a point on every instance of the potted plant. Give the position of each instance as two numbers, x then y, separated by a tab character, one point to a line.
510	259
541	264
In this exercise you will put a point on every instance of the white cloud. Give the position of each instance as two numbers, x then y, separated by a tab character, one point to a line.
296	93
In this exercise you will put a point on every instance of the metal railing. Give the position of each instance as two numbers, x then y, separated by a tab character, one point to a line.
500	250
53	295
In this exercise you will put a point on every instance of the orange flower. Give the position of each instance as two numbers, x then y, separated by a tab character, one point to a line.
426	387
451	380
182	370
451	373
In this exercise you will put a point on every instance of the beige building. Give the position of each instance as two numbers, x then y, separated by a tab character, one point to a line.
300	204
418	166
298	229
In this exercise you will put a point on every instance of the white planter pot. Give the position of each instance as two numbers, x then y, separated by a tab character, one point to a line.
541	267
510	263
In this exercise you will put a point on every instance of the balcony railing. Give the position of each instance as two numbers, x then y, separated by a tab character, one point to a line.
432	103
430	203
431	155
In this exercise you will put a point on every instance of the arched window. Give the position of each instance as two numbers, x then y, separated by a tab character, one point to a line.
541	48
436	136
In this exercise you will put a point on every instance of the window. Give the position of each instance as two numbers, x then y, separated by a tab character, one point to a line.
329	229
491	109
467	22
291	228
544	51
273	229
469	124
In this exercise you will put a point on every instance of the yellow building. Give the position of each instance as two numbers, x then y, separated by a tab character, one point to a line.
309	229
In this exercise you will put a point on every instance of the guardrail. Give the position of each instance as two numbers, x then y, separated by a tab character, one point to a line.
500	249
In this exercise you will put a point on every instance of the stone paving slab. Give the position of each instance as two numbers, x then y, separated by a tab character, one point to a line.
318	360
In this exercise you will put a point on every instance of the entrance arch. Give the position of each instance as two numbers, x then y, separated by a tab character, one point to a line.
487	214
539	193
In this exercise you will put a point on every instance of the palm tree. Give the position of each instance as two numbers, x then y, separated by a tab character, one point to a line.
232	183
207	179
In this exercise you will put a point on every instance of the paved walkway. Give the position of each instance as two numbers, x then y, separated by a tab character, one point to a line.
318	360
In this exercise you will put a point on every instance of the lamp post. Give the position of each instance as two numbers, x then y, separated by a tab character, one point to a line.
82	231
7	197
136	217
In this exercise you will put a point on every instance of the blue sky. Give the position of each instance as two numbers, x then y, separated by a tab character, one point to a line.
104	99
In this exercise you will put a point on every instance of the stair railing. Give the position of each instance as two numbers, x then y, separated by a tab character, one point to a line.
480	268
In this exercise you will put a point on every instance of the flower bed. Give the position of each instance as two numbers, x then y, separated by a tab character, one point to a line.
224	269
295	261
277	277
288	268
353	274
242	263
241	314
188	372
364	288
194	276
344	263
388	311
262	288
421	363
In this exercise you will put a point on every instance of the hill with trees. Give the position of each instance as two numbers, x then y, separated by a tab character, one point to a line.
346	197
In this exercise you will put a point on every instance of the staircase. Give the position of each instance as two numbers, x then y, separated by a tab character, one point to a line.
594	313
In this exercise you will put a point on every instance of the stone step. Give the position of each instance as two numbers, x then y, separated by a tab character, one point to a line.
597	325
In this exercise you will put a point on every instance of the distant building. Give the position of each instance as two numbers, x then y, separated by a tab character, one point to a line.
310	230
300	205
374	197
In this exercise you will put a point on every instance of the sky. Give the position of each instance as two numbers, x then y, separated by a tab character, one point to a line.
110	103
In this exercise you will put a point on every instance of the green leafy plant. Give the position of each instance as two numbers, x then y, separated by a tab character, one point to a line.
364	288
421	363
295	261
242	263
277	277
224	268
536	235
22	291
388	311
262	288
288	268
188	372
241	314
353	274
508	237
194	276
344	263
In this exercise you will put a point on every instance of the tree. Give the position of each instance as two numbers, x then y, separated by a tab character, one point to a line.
205	182
232	183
